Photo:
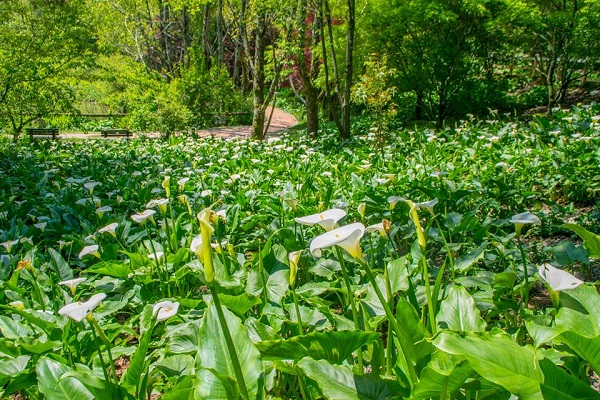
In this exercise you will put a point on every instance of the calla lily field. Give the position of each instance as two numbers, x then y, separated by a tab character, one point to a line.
452	264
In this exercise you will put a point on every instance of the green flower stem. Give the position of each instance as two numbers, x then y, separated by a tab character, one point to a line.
95	326
300	326
36	287
350	300
430	307
405	345
229	341
106	378
524	290
446	245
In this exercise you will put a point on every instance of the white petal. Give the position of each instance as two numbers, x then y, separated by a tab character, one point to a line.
557	278
347	237
326	219
525	218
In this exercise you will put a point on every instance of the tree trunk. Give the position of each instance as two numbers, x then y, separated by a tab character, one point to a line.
258	85
206	37
345	133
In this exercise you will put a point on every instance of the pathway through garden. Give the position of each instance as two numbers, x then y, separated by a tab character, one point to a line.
280	122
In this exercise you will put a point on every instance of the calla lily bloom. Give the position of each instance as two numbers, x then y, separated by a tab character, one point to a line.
327	219
293	258
525	218
558	279
362	207
206	231
159	255
111	229
41	225
9	244
347	237
90	186
428	205
89	250
182	183
143	216
376	228
393	200
78	311
167	185
72	283
165	310
101	210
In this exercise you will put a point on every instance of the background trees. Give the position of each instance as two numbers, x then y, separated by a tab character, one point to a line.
189	61
40	42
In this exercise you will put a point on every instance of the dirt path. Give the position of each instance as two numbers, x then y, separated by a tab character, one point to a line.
280	122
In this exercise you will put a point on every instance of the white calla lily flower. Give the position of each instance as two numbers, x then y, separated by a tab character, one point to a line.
90	250
104	209
525	218
428	205
111	229
143	216
72	283
558	279
294	258
327	219
393	200
78	311
347	237
165	310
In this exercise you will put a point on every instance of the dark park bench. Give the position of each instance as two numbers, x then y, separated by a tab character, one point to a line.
42	133
105	133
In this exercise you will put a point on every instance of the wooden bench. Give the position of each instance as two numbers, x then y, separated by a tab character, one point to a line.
42	133
105	133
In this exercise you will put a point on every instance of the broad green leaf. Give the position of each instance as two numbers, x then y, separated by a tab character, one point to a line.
183	390
458	312
566	253
184	338
591	241
558	384
464	263
498	359
12	329
60	266
239	304
111	268
276	283
398	274
176	365
333	346
337	382
52	384
416	332
11	367
581	329
137	366
444	373
214	357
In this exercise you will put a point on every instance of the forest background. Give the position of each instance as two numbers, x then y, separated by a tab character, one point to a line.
168	66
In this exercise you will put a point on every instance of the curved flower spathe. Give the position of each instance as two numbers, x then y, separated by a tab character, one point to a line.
165	310
294	258
525	218
327	219
428	205
72	283
78	311
143	216
90	250
347	237
558	279
111	229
